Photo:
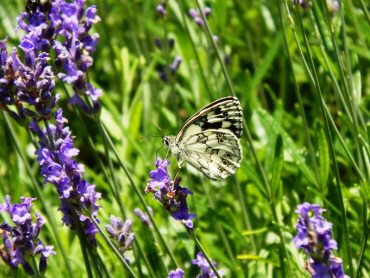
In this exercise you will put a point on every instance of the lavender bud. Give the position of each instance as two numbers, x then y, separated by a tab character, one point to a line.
199	21
121	239
193	13
129	241
161	9
143	217
111	231
28	268
30	113
215	38
54	101
158	43
227	60
127	226
45	96
116	222
171	44
163	76
176	64
42	265
207	11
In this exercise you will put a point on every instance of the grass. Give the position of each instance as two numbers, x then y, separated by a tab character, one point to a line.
301	75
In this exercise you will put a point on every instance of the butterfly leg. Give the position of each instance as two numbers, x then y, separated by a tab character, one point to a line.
174	179
167	154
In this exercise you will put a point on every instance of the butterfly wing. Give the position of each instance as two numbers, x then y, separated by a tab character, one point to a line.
216	153
224	114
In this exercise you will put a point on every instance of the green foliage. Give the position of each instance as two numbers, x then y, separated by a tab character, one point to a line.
302	77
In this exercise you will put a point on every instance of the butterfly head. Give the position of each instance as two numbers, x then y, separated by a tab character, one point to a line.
168	141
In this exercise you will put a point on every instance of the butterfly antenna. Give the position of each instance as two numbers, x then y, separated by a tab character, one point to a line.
158	128
142	137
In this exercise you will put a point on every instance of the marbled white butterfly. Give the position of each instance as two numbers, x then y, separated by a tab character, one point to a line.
210	139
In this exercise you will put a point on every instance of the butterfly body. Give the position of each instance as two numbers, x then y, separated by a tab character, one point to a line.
210	139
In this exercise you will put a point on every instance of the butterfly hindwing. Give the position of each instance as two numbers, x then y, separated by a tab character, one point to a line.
216	153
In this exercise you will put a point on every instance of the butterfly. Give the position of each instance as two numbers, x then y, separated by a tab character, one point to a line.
210	139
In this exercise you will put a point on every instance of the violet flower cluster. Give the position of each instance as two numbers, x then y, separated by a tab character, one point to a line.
171	195
163	75
21	241
64	28
55	154
29	83
167	71
204	266
198	18
199	21
314	237
120	232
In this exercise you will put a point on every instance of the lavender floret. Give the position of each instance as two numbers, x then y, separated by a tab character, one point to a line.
31	83
206	269
58	168
22	239
178	273
172	196
315	238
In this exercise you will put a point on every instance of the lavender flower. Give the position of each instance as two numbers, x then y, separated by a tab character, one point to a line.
64	28
172	196
161	9
204	266
178	273
144	216
57	166
22	239
119	231
27	84
314	237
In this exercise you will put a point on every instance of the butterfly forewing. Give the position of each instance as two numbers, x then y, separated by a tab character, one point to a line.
210	139
223	114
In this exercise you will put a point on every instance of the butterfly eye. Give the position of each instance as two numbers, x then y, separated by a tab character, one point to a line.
224	162
165	142
228	155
